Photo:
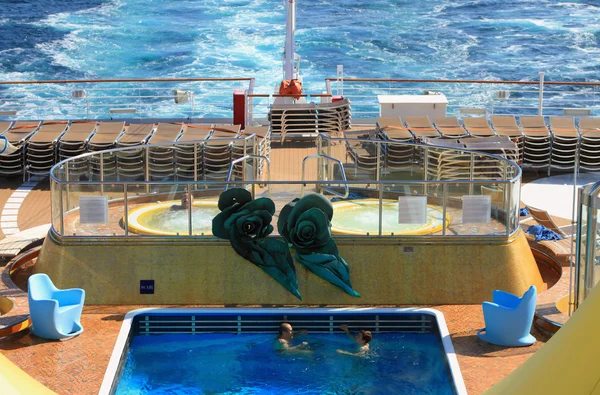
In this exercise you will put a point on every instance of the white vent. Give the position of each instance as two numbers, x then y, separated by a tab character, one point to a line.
476	209
93	209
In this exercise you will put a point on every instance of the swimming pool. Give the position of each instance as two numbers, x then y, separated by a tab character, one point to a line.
184	351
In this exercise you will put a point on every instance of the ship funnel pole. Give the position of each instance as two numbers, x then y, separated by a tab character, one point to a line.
289	52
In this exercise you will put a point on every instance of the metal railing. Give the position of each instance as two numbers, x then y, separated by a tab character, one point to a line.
495	97
110	201
172	98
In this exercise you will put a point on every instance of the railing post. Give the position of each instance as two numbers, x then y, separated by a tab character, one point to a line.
444	204
189	204
380	208
541	98
471	173
195	162
147	168
378	160
67	179
101	173
125	210
62	209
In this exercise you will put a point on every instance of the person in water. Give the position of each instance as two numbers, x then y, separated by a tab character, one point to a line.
186	201
285	335
362	339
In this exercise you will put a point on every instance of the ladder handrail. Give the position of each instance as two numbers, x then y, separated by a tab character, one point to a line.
343	174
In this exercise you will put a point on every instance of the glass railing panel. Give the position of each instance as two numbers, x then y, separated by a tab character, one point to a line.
514	206
94	210
476	209
55	208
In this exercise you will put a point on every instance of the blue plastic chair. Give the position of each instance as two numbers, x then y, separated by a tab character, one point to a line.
508	319
55	313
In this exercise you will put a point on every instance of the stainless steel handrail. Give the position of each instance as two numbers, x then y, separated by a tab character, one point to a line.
343	174
250	156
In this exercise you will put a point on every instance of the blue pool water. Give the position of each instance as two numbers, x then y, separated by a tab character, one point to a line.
247	364
476	39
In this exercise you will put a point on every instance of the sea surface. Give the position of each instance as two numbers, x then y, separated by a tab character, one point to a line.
436	39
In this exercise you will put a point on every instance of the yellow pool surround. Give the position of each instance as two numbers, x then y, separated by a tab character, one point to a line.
209	272
138	217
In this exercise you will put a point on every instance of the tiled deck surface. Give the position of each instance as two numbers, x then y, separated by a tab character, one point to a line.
77	366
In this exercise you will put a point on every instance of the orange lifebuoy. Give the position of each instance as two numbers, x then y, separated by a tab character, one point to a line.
291	87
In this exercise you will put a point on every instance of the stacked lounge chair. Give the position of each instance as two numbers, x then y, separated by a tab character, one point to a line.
218	151
447	164
565	142
421	127
189	159
74	142
104	138
41	148
130	163
506	125
263	144
161	159
301	121
17	135
489	167
362	147
393	130
478	127
537	146
450	127
589	149
297	120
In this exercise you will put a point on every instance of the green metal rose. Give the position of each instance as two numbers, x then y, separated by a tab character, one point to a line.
244	222
306	225
242	218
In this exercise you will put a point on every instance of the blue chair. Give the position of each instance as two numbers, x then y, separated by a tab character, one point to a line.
55	313
508	319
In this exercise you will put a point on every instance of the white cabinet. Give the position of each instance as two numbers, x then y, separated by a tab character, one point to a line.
433	106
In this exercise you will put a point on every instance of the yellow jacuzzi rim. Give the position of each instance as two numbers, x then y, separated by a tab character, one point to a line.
339	205
134	215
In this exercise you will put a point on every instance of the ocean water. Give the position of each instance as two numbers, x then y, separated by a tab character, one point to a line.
482	39
247	364
437	39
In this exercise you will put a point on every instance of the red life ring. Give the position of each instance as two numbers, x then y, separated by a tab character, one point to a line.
291	87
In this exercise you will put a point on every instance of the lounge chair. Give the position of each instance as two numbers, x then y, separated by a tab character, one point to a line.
508	319
55	313
506	125
189	158
17	135
565	142
478	127
397	153
75	142
450	127
161	160
297	120
130	163
537	146
41	152
589	149
543	218
421	126
105	137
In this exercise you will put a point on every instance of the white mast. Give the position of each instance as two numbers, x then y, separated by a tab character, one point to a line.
289	50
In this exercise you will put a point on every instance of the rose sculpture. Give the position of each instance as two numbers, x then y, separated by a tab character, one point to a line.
246	223
306	225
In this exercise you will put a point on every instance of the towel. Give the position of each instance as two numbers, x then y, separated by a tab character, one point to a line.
542	233
351	196
523	212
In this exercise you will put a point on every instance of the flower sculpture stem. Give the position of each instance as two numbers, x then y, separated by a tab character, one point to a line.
306	225
246	223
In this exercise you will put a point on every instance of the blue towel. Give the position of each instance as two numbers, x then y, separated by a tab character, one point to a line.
542	233
523	212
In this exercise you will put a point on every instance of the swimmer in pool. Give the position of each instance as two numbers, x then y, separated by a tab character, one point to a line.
186	201
362	339
285	335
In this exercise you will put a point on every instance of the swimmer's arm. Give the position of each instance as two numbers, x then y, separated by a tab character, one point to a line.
344	327
354	354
